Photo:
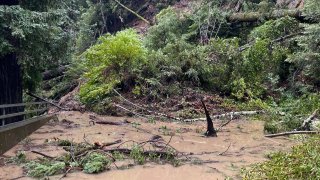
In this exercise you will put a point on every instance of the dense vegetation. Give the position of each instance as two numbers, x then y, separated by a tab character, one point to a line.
272	63
301	163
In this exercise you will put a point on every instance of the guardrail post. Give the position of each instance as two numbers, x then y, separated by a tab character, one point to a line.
3	112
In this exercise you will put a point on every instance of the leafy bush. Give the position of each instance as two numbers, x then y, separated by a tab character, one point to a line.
274	29
209	21
301	163
137	155
173	59
19	158
312	10
256	71
293	112
109	62
306	62
94	163
37	169
169	28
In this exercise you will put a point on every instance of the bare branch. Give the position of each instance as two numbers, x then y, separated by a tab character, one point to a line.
290	133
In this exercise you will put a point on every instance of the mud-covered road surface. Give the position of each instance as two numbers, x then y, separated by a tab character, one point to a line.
238	145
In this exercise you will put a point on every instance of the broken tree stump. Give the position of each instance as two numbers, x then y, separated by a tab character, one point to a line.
211	132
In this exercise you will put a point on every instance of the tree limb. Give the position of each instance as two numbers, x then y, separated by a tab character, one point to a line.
44	155
142	108
136	14
306	123
53	104
135	113
226	114
97	120
290	133
280	39
255	16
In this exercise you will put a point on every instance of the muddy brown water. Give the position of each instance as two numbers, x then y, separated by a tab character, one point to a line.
238	145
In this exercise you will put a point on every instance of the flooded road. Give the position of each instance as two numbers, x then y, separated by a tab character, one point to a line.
238	145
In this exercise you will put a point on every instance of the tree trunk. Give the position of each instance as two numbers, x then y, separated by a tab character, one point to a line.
9	2
210	129
10	85
10	80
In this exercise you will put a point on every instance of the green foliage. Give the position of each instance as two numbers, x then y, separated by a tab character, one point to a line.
307	61
290	112
209	21
99	17
312	10
38	170
274	29
40	39
137	155
225	60
94	163
239	89
87	27
64	143
301	162
305	105
169	28
257	71
118	155
174	62
109	62
19	158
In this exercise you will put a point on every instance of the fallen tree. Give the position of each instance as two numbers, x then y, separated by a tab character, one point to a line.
256	16
307	122
303	129
50	74
290	133
230	114
97	120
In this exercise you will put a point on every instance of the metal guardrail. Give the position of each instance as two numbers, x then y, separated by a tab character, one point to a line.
5	107
12	133
22	104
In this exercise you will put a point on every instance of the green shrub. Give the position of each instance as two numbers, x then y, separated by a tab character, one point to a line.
137	155
225	60
274	29
304	105
306	61
180	63
290	112
239	89
42	169
94	163
169	28
109	62
208	21
301	163
19	158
